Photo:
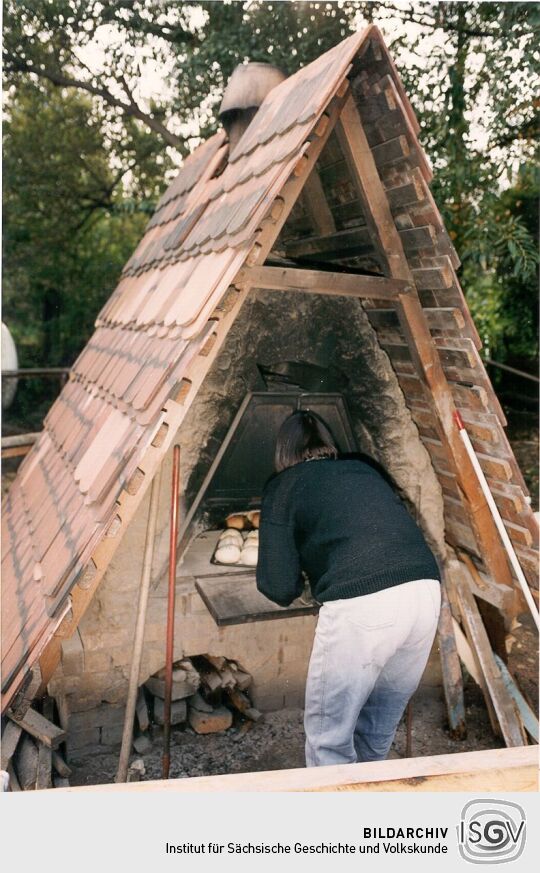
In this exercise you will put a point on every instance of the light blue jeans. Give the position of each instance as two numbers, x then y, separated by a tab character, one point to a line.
368	657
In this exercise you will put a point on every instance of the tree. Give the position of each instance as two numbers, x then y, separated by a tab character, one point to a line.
470	69
67	231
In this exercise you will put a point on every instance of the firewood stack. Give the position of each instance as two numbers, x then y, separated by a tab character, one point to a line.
31	753
208	694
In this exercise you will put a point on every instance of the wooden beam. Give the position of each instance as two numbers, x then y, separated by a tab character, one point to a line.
451	670
503	770
40	728
320	282
496	693
317	206
413	322
528	717
341	244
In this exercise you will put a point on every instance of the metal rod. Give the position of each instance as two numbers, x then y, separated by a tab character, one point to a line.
516	566
169	654
512	370
408	746
133	687
35	372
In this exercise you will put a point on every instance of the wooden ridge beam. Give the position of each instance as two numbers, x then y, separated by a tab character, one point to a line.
320	282
380	222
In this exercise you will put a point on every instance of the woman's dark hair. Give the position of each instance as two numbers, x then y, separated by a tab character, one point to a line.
303	435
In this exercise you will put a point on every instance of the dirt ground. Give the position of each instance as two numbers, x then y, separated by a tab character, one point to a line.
277	743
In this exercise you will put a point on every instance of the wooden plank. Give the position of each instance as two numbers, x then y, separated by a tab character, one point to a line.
234	599
44	768
343	243
433	278
317	207
26	763
60	765
10	738
465	652
40	728
494	770
405	195
414	238
392	150
528	717
451	670
472	397
16	451
493	686
323	282
14	784
444	318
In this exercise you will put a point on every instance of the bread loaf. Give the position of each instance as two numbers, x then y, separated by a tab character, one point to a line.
254	518
237	521
249	556
231	537
227	554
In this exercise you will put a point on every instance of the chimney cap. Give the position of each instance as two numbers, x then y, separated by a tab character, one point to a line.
248	86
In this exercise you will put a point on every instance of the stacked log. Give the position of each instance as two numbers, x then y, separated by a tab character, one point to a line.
31	754
208	695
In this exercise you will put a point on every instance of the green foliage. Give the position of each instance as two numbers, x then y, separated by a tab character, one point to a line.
66	233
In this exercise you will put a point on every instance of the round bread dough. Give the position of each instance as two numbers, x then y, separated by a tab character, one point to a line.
227	554
249	556
231	536
252	537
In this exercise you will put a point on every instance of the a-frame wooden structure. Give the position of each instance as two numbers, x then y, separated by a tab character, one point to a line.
330	172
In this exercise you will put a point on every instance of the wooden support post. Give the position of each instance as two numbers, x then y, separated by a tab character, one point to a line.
379	219
451	671
138	637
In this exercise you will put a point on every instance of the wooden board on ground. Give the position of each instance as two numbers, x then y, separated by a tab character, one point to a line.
10	737
40	728
494	770
44	768
234	599
496	694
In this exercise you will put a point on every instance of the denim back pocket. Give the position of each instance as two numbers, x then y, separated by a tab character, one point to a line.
373	611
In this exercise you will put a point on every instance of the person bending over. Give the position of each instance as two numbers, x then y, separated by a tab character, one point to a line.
338	520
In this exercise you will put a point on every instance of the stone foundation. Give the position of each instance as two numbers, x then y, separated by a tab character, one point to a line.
91	682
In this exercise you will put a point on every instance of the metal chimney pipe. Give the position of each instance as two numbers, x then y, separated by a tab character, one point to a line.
245	92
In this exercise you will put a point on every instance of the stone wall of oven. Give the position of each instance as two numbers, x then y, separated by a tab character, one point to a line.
91	681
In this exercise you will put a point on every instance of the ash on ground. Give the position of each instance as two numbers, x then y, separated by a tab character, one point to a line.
277	743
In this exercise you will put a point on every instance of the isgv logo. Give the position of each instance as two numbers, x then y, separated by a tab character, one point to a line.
491	831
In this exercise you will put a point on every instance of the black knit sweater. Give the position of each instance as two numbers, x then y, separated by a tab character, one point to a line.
342	523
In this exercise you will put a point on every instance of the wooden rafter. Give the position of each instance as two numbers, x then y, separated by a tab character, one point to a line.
317	207
320	282
353	141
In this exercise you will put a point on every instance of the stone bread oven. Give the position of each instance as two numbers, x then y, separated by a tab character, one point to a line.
335	335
